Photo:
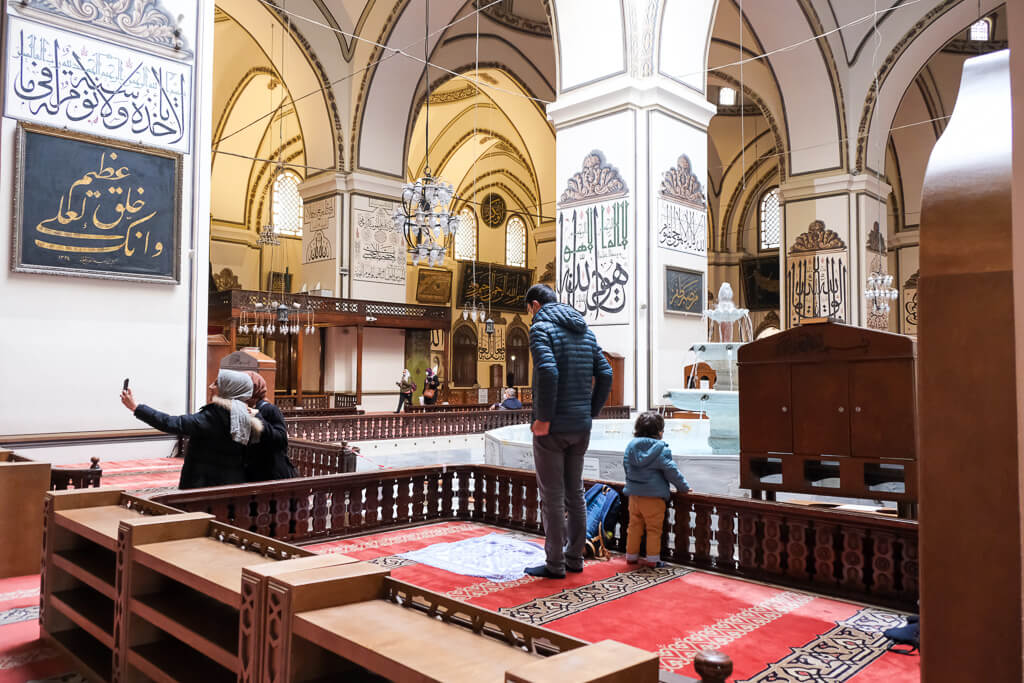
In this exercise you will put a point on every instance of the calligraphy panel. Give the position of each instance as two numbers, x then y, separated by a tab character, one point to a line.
107	209
317	225
684	291
498	287
378	247
64	80
816	283
682	228
595	261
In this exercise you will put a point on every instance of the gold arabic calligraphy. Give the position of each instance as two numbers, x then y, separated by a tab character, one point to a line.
86	223
684	295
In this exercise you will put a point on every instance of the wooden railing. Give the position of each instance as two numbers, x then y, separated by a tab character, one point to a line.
63	478
313	459
311	401
851	555
331	310
320	412
401	426
452	408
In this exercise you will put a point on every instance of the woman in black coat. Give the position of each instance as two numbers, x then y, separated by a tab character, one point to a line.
219	434
268	459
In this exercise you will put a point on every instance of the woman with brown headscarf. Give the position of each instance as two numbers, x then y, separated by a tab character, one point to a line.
268	458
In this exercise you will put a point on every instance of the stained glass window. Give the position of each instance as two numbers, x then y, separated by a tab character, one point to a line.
287	204
465	236
768	217
980	30
515	242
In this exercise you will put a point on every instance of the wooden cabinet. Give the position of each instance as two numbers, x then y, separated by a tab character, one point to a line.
829	409
618	363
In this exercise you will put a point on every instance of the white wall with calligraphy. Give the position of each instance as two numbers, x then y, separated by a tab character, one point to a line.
615	136
799	214
71	341
65	80
320	250
673	333
377	261
909	260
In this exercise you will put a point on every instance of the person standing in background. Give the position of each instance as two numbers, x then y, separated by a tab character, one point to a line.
431	385
405	388
571	382
269	456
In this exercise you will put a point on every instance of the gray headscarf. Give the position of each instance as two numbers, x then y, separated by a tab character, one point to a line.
236	387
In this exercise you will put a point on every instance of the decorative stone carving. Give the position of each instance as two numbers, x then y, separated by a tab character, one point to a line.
449	96
548	276
226	280
142	19
817	238
502	13
682	184
876	240
598	180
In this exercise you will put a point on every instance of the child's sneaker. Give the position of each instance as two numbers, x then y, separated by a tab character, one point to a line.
652	565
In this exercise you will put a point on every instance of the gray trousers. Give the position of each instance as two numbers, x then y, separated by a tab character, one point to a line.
558	459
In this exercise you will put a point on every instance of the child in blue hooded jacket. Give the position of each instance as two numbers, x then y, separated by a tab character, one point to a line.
649	470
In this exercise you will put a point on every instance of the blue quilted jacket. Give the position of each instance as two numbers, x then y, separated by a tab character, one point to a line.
650	469
571	377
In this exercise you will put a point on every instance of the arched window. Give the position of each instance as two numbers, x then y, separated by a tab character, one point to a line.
981	30
465	236
286	203
464	356
768	219
727	97
518	357
515	242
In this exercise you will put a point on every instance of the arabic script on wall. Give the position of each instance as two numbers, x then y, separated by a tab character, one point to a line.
87	85
595	261
378	247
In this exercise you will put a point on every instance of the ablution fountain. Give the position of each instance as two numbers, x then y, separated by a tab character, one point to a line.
721	401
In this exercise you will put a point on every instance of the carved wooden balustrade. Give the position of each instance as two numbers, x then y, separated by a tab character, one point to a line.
401	426
851	555
452	408
311	401
63	478
320	412
314	459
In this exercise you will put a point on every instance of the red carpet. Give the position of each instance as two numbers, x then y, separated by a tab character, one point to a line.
141	477
772	635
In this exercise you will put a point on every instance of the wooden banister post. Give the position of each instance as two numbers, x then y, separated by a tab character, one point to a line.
713	666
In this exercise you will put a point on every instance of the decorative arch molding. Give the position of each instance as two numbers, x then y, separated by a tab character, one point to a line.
261	181
833	73
326	88
765	112
737	158
868	108
515	153
767	182
744	186
347	47
478	190
474	185
770	320
236	93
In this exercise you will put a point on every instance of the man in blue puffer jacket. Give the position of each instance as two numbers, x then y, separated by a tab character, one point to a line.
571	382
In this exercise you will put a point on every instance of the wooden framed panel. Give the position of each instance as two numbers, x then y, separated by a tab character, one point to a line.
766	424
107	209
883	421
821	420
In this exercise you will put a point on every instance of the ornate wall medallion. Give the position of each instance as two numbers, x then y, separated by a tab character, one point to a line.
492	210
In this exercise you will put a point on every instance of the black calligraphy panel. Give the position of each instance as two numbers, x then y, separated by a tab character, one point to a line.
96	208
684	290
493	286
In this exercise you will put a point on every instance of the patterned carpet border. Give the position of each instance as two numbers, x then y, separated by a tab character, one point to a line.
575	600
682	651
836	655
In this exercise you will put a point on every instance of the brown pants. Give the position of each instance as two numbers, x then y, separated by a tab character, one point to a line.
645	514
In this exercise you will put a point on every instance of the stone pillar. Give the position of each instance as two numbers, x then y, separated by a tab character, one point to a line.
830	247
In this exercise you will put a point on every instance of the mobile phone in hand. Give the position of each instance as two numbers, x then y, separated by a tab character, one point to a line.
125	387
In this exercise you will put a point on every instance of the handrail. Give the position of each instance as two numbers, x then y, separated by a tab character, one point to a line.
846	554
401	426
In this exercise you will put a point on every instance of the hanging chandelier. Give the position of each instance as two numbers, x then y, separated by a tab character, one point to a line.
425	216
880	292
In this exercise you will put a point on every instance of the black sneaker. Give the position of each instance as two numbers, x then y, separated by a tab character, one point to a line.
543	572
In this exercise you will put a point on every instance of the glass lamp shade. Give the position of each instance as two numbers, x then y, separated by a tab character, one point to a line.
489	326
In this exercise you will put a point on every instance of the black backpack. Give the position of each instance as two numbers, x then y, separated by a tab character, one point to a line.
905	639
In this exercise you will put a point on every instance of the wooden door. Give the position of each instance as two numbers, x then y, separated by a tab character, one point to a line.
821	410
883	420
618	363
765	408
497	381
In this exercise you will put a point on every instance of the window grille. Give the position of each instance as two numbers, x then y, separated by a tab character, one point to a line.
465	236
515	242
287	204
768	218
980	30
727	97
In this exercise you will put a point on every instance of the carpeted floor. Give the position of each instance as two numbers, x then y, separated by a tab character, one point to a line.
773	635
140	477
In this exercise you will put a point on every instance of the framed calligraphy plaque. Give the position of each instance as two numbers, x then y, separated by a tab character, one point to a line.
61	79
92	207
684	291
499	287
761	282
434	286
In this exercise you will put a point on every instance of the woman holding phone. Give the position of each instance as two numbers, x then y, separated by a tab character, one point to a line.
219	434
